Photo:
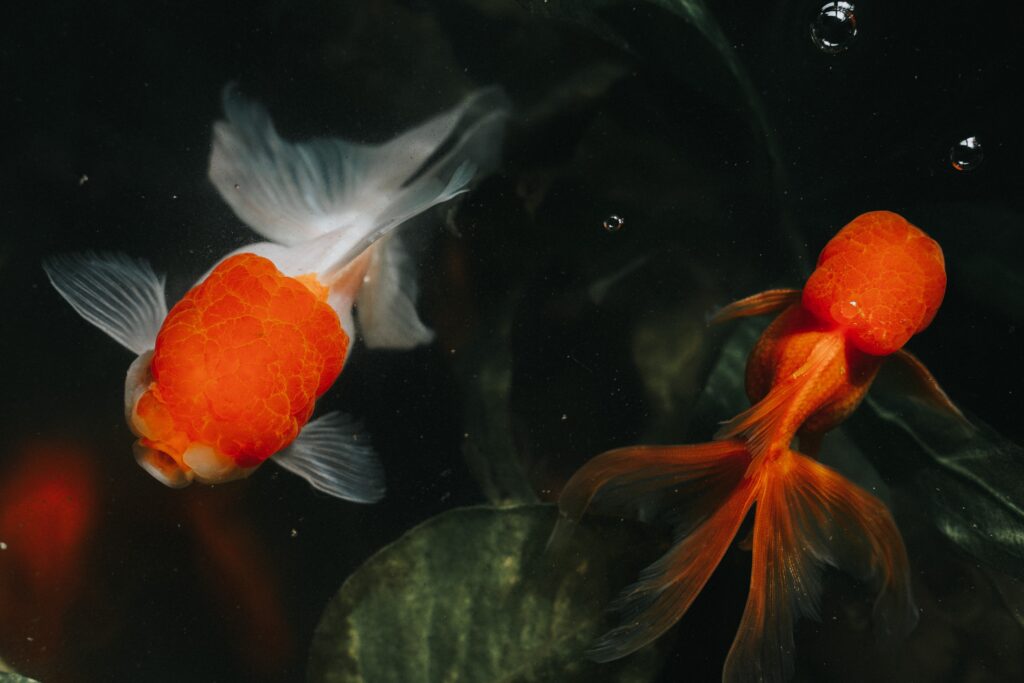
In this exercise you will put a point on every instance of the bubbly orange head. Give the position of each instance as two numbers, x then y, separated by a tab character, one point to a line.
238	365
880	278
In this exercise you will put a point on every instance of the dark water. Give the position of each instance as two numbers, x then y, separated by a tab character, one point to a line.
723	152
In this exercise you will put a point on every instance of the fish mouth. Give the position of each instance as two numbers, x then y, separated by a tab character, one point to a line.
162	466
199	463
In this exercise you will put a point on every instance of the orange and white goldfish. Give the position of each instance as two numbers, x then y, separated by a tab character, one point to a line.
878	282
230	376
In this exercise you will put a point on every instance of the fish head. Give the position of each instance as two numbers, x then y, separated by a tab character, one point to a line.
168	454
881	279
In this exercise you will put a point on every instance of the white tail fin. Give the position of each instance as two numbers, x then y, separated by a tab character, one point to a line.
323	203
292	193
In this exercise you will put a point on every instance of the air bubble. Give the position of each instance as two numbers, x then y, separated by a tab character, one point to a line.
614	223
967	154
835	27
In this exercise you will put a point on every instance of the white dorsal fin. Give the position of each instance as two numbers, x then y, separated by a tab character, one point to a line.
121	295
331	455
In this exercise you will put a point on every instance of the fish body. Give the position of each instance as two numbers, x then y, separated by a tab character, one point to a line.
269	345
878	282
230	376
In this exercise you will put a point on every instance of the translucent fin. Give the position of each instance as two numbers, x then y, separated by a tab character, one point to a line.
760	425
809	516
118	294
473	151
709	479
918	380
637	472
387	300
668	587
331	456
292	193
766	302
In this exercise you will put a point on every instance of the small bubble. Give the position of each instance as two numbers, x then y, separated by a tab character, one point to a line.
835	27
967	154
237	186
294	533
614	223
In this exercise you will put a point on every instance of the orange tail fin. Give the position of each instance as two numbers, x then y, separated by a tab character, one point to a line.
809	516
625	475
709	477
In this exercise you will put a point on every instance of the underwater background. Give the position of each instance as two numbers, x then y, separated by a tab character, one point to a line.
662	159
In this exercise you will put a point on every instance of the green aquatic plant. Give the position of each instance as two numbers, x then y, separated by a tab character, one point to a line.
470	596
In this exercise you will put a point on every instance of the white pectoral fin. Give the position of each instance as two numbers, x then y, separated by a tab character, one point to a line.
387	300
330	454
121	295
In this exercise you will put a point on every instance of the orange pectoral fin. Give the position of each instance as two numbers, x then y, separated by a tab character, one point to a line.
770	301
809	516
915	378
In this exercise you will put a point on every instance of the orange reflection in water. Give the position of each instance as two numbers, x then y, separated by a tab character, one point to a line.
48	505
240	576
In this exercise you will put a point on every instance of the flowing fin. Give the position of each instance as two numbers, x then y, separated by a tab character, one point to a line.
709	477
918	381
294	193
769	301
809	516
118	294
331	456
668	587
758	424
387	301
473	154
628	474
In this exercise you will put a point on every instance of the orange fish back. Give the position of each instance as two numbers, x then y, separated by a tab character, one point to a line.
240	361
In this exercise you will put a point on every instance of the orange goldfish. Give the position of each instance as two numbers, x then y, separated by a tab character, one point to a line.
230	376
878	282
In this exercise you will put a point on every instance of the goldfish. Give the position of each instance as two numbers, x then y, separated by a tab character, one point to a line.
229	377
879	281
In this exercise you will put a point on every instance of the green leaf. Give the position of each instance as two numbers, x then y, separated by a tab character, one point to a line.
471	595
10	677
971	480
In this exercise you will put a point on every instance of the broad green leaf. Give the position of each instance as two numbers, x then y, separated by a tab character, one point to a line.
7	676
471	595
971	480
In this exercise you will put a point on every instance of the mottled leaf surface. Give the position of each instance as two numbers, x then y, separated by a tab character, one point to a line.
471	595
15	678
